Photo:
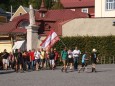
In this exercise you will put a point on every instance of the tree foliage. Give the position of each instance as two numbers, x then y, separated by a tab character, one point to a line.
48	4
57	5
6	4
104	45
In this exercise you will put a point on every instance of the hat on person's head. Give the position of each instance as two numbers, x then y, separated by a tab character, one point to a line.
94	50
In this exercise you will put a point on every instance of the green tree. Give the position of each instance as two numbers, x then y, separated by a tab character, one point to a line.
48	4
35	3
25	3
4	4
16	5
57	5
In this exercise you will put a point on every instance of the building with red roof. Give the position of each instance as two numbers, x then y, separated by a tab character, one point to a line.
44	19
86	6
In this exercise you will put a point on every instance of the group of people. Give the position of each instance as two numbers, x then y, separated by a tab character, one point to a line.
72	59
30	60
40	59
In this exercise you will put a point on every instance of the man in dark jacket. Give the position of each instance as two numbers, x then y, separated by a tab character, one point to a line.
52	57
5	56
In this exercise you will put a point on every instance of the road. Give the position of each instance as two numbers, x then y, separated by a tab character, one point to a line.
105	76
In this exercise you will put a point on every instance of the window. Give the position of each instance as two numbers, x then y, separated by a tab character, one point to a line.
84	10
42	15
20	14
110	4
23	24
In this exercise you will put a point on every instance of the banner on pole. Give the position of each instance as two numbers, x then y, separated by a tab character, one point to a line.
50	40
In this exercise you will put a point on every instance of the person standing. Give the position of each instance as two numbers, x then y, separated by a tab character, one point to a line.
64	55
32	59
47	59
29	60
11	60
24	54
70	59
52	57
5	61
56	57
20	60
76	55
42	58
83	61
16	60
37	58
94	59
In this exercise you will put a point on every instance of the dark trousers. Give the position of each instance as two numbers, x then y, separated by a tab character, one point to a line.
32	65
75	63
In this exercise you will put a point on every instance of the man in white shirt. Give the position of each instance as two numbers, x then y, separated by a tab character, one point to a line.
76	55
37	58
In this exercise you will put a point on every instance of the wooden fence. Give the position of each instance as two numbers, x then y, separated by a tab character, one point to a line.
107	60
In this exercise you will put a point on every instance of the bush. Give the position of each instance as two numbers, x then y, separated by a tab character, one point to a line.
105	45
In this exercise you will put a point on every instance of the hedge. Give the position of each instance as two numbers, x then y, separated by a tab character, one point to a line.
105	45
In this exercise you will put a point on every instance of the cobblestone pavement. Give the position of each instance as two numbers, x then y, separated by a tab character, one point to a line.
105	76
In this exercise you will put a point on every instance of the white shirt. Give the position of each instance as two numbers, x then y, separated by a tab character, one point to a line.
76	53
37	54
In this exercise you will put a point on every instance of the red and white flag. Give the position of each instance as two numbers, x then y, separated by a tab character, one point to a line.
50	40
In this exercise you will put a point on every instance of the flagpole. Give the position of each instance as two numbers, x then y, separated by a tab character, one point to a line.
11	10
63	43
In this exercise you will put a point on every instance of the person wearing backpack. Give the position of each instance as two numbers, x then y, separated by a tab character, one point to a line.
83	62
64	55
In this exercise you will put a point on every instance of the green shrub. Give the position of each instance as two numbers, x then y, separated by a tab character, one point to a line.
105	45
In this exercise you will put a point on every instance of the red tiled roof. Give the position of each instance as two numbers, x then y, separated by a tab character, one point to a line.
54	16
20	30
64	14
58	26
5	28
11	27
20	18
77	3
42	8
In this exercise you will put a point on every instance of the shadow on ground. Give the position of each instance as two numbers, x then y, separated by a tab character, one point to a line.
6	72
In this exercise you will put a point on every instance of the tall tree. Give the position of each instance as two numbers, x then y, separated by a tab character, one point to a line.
57	5
16	5
48	4
35	3
4	4
25	3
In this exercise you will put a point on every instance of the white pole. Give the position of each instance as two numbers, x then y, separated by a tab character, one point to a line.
63	43
11	10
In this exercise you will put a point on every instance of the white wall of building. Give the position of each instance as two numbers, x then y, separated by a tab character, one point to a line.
89	27
101	11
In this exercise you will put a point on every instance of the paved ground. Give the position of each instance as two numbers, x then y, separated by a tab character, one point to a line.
104	77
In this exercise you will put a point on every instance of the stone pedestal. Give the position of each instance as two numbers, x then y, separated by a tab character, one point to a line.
32	37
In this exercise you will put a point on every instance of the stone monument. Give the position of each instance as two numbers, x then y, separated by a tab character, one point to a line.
32	31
